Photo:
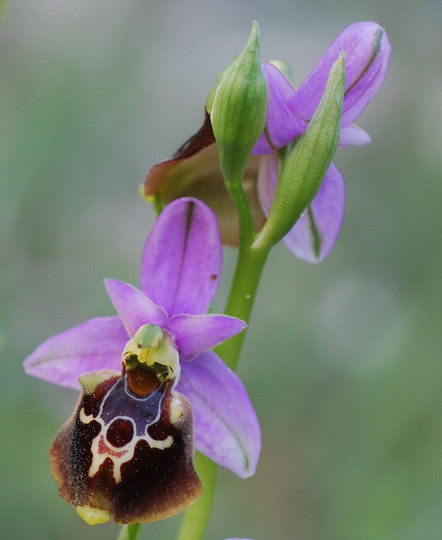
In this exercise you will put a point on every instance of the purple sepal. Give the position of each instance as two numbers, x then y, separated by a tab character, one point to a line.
316	231
367	52
93	345
226	426
281	126
182	258
267	180
353	136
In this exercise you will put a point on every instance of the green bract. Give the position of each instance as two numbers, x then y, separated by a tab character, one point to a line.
308	162
237	106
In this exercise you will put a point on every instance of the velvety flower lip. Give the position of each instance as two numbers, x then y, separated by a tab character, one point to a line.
180	273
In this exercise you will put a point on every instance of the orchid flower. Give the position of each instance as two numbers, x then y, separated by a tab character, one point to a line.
143	373
194	169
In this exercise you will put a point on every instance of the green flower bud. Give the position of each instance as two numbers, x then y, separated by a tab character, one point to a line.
237	106
309	160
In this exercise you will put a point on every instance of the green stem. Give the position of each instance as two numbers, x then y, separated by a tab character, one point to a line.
249	266
246	224
197	515
129	532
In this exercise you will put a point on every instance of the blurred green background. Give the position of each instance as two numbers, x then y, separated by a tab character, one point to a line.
343	359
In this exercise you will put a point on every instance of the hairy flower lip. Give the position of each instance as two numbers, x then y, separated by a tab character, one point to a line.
118	444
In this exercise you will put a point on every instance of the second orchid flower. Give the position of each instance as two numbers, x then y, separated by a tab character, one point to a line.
194	170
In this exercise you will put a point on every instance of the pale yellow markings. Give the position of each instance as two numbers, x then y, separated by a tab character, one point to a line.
93	516
161	445
176	411
118	456
85	418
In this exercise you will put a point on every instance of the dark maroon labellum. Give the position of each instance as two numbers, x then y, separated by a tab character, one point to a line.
128	450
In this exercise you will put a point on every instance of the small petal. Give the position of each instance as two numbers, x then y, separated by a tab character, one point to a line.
182	258
315	233
195	334
281	126
134	308
367	52
226	426
353	136
93	345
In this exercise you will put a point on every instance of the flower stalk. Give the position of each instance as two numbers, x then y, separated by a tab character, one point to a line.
129	532
249	267
196	517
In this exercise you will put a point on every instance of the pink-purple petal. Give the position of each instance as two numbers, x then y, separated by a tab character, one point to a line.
195	334
267	180
367	52
353	136
93	345
182	258
315	233
134	308
281	126
226	427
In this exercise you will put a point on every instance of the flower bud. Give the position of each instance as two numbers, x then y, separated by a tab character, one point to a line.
309	160
237	106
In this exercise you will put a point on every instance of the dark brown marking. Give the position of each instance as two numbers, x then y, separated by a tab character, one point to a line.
120	432
142	382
